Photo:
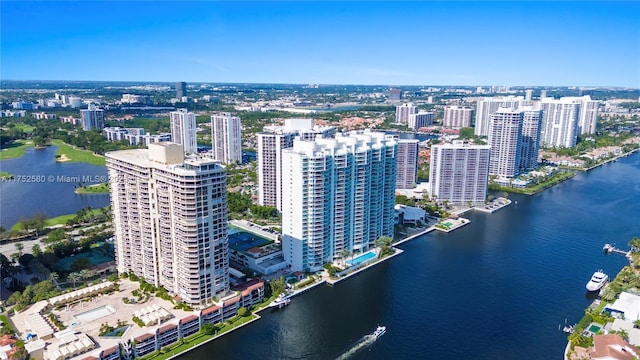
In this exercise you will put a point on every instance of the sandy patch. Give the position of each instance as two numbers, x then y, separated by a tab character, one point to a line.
63	158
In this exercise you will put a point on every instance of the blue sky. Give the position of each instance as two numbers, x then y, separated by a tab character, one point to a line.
387	43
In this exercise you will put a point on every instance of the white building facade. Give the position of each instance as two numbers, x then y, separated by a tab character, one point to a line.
404	111
420	119
407	160
505	139
530	138
459	172
340	196
560	122
226	138
92	118
170	220
488	106
183	130
271	141
457	117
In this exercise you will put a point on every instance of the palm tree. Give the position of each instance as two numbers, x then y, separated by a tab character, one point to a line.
73	277
19	247
84	273
53	277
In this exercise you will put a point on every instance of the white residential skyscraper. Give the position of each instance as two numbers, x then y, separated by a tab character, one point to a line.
459	172
170	220
505	138
485	108
271	142
560	122
340	196
183	130
457	117
226	138
404	111
588	118
530	143
92	118
420	119
407	159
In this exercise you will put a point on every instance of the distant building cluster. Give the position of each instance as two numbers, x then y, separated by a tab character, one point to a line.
134	136
135	99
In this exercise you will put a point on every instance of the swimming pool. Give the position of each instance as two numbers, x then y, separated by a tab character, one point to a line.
96	313
362	258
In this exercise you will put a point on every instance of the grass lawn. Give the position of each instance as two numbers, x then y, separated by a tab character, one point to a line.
59	220
24	127
15	149
102	188
5	175
78	155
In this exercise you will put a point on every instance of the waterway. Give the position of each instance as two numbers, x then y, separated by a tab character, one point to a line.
52	197
495	289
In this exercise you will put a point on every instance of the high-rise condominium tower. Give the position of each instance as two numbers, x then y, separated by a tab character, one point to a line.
407	159
226	138
271	141
404	111
183	130
170	220
457	117
420	119
588	118
485	108
459	172
92	118
505	138
530	142
560	122
181	89
340	196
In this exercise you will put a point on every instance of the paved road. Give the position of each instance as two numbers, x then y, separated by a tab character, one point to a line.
9	248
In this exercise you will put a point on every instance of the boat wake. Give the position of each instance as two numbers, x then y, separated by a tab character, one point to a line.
363	343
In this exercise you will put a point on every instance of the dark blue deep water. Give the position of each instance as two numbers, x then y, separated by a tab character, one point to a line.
495	289
53	198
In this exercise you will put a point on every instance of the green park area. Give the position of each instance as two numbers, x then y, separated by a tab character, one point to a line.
14	149
535	188
102	188
66	152
62	219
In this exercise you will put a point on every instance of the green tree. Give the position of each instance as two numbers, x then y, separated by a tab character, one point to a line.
53	277
39	222
74	277
277	286
36	250
466	133
81	264
242	311
19	246
208	329
635	243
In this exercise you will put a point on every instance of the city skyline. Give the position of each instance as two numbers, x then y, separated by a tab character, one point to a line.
325	43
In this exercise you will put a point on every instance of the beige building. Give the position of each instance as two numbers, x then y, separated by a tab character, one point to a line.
170	220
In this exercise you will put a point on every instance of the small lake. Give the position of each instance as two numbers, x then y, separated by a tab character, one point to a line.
53	198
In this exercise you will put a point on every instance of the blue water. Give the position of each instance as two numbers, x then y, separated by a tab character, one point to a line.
53	198
364	257
495	289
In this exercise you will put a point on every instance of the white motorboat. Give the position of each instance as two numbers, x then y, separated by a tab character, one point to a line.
597	281
281	301
379	331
